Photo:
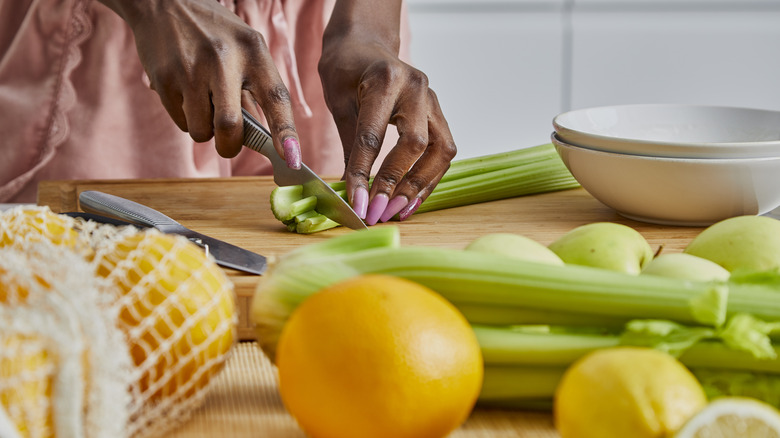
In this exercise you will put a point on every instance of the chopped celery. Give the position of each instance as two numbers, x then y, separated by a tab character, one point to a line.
288	202
520	172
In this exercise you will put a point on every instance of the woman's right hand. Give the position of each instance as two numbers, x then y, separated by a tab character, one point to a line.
204	62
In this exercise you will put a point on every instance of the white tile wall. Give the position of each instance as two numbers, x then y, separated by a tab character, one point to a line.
504	68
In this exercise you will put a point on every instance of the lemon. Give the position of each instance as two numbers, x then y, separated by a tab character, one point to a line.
177	309
378	356
34	224
626	392
733	417
26	382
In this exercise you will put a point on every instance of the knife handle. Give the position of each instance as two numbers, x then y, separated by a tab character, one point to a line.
102	203
256	136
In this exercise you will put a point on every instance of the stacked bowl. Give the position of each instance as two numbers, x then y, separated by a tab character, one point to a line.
674	164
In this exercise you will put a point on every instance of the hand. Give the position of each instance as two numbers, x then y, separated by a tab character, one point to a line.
205	63
366	88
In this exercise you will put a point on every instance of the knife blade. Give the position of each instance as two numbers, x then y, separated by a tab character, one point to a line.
225	254
329	203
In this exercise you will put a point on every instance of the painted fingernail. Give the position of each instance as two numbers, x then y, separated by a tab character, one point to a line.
393	207
292	153
409	209
376	208
360	201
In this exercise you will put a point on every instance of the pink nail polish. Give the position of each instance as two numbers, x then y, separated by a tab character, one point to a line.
394	206
376	208
360	201
292	153
409	209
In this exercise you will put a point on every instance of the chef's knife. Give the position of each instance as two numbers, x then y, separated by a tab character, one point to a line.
226	255
329	203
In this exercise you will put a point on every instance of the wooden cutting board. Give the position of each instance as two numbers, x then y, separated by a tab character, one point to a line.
237	210
244	401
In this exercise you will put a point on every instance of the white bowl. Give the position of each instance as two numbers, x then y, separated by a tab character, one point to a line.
675	191
667	130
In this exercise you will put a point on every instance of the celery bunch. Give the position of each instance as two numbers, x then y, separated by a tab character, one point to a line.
469	181
533	320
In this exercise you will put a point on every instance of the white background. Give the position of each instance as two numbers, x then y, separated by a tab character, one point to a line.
504	68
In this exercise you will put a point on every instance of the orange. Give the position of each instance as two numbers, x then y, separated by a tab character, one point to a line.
378	356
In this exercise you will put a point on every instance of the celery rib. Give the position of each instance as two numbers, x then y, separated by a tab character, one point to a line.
533	320
520	172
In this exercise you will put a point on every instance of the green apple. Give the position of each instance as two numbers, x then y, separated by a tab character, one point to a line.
742	242
514	246
605	245
686	267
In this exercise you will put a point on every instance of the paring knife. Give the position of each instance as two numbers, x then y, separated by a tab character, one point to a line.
329	203
226	255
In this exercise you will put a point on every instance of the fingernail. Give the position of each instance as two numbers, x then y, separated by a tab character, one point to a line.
376	208
393	207
409	209
292	153
360	201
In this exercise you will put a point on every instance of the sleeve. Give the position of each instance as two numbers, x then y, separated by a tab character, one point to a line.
39	48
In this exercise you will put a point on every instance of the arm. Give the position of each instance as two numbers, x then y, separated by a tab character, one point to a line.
205	63
366	88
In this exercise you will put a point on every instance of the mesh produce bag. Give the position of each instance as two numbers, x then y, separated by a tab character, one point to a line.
178	311
174	307
64	367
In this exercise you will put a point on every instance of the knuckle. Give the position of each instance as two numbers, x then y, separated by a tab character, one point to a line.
449	150
415	183
416	143
358	174
252	40
384	72
417	79
370	141
227	123
387	180
278	94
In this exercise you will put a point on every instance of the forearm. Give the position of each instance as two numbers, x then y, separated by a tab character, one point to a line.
370	20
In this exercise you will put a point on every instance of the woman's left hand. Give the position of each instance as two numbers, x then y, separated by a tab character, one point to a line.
367	87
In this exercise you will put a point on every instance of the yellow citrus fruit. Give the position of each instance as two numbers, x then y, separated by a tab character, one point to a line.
378	356
626	392
27	372
34	224
733	417
177	308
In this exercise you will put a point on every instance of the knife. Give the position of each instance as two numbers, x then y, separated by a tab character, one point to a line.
226	255
329	203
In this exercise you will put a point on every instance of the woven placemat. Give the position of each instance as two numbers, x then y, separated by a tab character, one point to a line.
244	402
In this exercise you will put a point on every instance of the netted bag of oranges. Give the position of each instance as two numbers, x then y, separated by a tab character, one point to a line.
64	367
174	306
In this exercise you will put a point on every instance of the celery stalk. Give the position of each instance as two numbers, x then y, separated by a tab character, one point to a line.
518	384
717	328
520	172
467	278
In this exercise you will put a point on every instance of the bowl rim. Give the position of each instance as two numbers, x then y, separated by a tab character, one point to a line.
556	140
687	146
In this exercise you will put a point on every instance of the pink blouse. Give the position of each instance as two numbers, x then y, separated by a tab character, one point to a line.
75	102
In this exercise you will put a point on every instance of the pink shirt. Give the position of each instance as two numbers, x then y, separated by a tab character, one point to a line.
75	103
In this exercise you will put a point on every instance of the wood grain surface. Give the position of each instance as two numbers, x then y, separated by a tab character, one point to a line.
237	210
243	401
